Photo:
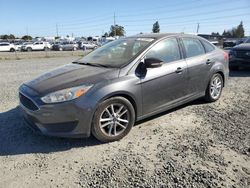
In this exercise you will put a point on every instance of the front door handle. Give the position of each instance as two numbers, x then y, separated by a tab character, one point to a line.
179	70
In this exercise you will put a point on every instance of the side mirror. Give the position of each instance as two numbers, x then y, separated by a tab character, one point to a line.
153	63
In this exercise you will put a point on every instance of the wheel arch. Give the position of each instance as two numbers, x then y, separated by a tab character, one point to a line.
125	95
222	75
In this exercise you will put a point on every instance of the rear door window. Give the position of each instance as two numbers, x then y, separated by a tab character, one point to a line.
209	47
193	47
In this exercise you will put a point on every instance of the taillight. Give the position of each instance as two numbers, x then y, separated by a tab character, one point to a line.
226	56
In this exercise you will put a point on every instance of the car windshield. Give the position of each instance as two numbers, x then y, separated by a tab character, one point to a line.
117	53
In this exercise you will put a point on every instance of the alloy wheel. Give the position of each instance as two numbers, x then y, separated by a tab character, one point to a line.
114	119
215	87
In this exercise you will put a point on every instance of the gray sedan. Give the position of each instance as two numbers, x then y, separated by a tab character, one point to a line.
124	81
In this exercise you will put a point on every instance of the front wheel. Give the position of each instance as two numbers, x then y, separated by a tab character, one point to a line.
12	50
113	119
214	88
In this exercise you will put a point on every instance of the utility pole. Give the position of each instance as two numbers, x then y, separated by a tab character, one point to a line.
56	30
198	27
114	24
27	32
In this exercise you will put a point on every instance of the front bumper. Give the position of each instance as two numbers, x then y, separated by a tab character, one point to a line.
68	119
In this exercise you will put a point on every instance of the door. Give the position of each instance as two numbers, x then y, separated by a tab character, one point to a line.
198	64
36	46
4	47
167	84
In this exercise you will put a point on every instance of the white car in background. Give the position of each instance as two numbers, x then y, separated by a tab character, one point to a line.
18	46
7	47
87	45
36	46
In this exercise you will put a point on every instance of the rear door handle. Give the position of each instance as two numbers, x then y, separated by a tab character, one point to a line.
179	70
209	61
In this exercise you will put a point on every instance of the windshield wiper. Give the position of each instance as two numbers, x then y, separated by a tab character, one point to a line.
93	64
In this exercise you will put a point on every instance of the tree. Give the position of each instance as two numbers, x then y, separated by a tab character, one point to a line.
5	37
240	32
11	36
235	32
106	34
156	27
26	37
116	30
215	34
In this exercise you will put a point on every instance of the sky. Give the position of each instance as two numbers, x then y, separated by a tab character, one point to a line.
93	17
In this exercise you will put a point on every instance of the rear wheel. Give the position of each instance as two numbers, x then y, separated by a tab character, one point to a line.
29	49
113	119
214	88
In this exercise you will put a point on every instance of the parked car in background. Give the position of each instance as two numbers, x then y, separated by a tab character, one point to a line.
229	43
239	56
18	45
7	47
247	40
36	46
122	82
88	45
65	46
214	42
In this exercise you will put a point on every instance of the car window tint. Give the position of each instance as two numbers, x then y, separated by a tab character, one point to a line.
209	47
193	47
166	50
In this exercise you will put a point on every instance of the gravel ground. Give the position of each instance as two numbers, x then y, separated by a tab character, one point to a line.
18	55
195	145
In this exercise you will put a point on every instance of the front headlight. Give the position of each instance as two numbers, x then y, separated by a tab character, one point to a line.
66	94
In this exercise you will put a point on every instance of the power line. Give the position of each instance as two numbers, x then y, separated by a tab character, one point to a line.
190	15
185	8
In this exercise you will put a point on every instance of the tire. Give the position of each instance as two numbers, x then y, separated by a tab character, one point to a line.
29	49
46	49
214	88
12	50
107	126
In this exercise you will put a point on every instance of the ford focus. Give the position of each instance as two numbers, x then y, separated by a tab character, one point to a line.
124	81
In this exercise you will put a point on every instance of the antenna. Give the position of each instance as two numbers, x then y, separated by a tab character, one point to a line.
198	27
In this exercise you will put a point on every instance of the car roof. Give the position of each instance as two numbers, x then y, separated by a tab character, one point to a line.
162	35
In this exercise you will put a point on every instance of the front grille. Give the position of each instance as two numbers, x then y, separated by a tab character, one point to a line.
26	102
243	54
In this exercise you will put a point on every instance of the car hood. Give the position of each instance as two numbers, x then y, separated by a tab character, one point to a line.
245	46
71	75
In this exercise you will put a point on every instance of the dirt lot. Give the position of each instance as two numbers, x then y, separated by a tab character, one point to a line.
18	55
196	145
